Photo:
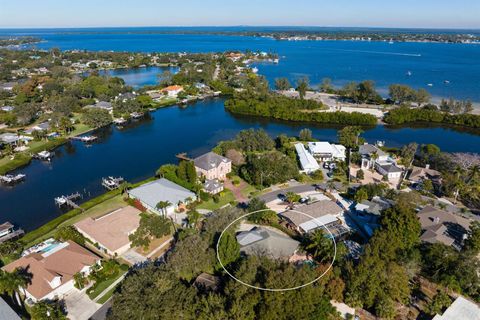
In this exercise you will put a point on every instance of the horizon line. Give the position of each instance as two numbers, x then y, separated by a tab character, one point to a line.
237	26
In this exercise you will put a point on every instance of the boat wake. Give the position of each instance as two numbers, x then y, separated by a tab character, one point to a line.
383	52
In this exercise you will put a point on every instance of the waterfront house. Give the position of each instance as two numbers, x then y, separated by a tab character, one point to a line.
307	162
126	96
213	186
9	138
162	190
103	105
263	241
327	152
52	269
418	175
310	217
440	226
375	158
172	91
213	166
7	232
111	231
460	309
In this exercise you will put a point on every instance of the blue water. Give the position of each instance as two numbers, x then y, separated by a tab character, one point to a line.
138	77
137	151
341	61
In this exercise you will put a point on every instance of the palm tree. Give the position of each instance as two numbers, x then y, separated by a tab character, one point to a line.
320	246
162	206
474	174
14	283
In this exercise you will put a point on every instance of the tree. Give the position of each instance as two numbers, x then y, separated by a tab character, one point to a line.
422	96
439	303
48	310
292	197
236	156
320	246
12	283
254	140
269	168
361	195
80	280
428	185
162	206
360	174
69	233
96	118
326	85
151	226
302	87
472	243
228	249
349	137
282	84
305	135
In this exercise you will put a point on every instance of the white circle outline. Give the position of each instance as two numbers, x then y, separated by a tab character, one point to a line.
282	289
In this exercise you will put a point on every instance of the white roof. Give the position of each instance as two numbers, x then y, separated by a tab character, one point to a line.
307	161
318	222
161	190
461	309
322	147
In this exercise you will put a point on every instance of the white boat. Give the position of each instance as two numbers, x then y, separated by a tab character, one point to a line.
391	41
45	155
430	84
447	82
409	73
9	178
119	121
255	70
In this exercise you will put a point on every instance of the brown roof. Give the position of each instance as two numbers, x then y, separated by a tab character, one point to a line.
442	226
207	281
112	230
44	268
418	173
316	210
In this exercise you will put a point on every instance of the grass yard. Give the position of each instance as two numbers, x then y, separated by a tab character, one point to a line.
98	288
154	244
226	196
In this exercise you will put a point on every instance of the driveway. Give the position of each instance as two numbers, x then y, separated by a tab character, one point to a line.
79	306
133	257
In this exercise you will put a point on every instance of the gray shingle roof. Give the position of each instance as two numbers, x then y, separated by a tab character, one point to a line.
6	312
161	190
368	149
316	210
391	168
265	242
212	185
209	161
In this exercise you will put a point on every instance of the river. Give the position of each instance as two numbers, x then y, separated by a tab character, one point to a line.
137	151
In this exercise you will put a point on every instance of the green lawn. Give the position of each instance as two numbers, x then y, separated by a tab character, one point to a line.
98	288
107	295
226	197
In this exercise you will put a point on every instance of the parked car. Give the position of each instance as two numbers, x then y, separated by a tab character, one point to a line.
326	165
282	197
303	200
332	166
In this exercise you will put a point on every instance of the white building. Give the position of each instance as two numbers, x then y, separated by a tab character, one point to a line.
325	151
162	190
375	158
307	161
461	309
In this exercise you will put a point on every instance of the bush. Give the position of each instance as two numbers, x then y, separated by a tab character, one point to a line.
360	174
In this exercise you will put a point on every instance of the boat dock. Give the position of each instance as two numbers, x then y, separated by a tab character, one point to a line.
112	183
7	232
11	179
44	155
69	200
86	139
137	115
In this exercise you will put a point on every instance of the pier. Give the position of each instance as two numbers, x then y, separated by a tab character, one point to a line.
44	155
11	179
86	139
112	183
69	200
183	156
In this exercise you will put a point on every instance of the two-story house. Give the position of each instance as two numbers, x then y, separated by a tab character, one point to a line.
214	168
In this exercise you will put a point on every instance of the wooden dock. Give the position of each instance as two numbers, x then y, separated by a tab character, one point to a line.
183	156
69	201
11	179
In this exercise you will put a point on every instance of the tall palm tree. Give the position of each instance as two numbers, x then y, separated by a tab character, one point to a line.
474	174
14	283
162	206
320	246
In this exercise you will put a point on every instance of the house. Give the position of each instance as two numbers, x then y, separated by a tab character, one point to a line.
44	126
326	152
443	227
207	282
103	105
52	268
6	312
375	158
213	186
213	166
419	174
310	217
267	242
7	86
307	162
373	207
9	138
460	309
126	96
7	108
7	232
162	190
111	231
172	91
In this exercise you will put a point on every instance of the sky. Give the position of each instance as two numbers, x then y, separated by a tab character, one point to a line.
337	13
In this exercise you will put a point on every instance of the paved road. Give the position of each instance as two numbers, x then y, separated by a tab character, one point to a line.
101	313
267	197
